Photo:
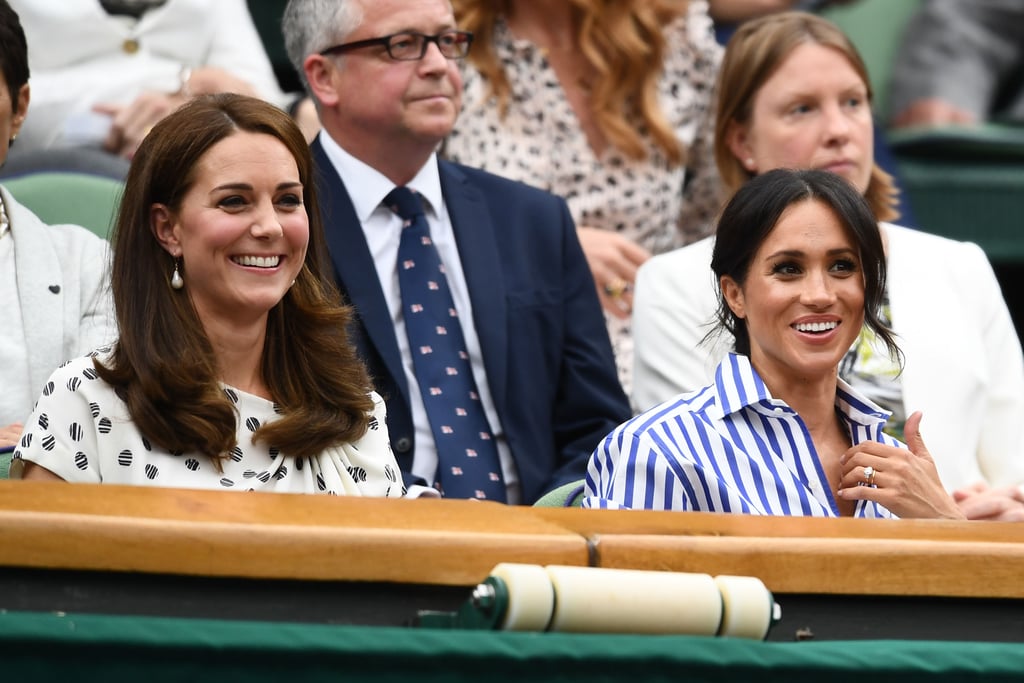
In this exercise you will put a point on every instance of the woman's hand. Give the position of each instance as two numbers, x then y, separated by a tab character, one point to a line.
34	472
10	434
613	261
980	501
905	481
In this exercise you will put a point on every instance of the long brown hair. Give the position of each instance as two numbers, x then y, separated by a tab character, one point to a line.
623	42
752	55
163	365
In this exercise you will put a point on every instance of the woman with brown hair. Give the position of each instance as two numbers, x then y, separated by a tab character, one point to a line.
608	104
794	93
232	369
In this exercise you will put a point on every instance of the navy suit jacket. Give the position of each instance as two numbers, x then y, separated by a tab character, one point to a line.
542	333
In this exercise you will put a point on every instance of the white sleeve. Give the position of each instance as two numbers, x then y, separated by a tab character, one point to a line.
673	311
1001	445
237	48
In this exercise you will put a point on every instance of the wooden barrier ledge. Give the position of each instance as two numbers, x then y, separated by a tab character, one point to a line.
812	555
457	543
218	554
54	525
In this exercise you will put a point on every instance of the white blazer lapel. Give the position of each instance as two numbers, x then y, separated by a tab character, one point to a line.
41	291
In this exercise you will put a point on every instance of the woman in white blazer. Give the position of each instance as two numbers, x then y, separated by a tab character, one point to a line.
793	92
53	278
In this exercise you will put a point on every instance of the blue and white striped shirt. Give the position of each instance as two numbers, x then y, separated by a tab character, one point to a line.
729	447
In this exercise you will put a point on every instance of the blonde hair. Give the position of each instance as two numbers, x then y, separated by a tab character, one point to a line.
623	42
751	57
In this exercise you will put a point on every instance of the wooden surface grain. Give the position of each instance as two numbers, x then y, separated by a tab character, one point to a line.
457	543
254	535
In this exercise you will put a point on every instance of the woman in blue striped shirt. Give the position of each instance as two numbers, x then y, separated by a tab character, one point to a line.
801	268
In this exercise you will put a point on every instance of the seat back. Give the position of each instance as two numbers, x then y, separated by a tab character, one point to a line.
69	197
565	496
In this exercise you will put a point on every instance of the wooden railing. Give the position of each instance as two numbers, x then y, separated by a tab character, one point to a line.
457	543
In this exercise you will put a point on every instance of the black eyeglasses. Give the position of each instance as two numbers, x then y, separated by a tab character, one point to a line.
409	47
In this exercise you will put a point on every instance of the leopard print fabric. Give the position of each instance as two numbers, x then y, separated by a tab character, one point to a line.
540	143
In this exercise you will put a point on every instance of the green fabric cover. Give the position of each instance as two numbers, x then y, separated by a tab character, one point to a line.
975	202
565	496
989	143
43	646
61	197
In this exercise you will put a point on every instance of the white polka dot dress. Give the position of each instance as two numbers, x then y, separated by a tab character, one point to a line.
81	431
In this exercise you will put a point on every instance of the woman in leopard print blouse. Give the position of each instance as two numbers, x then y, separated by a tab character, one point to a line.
608	104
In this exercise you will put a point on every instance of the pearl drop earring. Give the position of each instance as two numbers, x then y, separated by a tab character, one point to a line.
177	282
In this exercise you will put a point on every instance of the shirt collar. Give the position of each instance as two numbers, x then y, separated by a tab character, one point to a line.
857	406
367	186
738	386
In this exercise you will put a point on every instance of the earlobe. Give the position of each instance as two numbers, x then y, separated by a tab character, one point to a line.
733	295
161	222
737	141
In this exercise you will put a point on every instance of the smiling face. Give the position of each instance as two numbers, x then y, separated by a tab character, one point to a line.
803	296
241	230
813	112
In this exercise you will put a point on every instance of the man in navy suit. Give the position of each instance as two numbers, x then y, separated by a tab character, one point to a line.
384	75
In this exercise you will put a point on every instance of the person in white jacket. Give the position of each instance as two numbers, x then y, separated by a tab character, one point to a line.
793	92
54	289
104	72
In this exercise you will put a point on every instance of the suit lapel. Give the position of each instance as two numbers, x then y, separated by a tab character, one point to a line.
482	266
354	266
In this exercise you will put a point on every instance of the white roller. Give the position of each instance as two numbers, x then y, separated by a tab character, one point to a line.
531	598
747	606
591	600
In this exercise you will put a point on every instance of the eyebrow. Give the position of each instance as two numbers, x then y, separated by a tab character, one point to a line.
796	253
246	186
799	92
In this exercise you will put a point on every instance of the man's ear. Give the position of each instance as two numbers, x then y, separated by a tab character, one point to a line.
318	70
733	295
165	229
24	95
738	141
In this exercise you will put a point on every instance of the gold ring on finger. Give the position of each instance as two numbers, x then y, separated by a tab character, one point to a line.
616	287
869	475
